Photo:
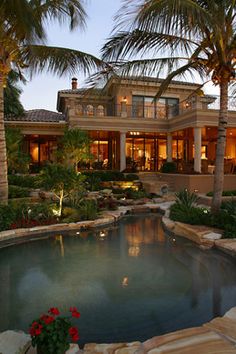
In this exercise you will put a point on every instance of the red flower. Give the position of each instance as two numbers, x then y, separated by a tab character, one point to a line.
47	319
54	311
73	332
74	312
35	329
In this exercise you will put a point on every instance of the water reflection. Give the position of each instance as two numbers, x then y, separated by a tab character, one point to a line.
135	284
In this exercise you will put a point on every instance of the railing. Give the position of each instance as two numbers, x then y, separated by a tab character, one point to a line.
159	112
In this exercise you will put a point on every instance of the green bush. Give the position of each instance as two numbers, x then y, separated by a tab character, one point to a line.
18	192
132	194
70	215
7	217
88	209
169	167
225	193
25	181
105	176
186	198
131	177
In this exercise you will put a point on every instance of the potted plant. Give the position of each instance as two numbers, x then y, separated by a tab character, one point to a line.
52	333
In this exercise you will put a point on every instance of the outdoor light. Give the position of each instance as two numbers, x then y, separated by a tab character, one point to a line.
124	99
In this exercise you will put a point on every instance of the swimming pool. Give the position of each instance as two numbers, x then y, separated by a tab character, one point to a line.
130	281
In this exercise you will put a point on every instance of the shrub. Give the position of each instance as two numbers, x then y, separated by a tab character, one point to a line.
88	209
225	193
18	192
25	181
186	198
169	167
133	194
7	216
131	177
105	176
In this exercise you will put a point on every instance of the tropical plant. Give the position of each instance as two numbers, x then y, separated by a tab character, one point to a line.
23	38
176	38
75	147
61	180
17	160
12	104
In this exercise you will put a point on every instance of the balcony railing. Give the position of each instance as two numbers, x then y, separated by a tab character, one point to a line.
159	112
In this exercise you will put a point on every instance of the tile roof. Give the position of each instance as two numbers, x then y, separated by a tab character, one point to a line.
37	115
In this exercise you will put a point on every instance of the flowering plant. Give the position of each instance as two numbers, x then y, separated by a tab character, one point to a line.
52	334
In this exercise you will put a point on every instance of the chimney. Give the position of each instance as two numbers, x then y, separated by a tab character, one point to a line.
74	83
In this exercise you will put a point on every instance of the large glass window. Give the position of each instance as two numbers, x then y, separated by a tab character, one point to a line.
148	107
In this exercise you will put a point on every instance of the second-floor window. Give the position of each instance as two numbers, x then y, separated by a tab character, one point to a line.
147	107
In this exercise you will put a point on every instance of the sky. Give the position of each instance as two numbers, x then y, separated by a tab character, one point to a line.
41	90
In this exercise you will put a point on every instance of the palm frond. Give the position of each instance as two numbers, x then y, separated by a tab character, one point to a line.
58	60
128	44
62	11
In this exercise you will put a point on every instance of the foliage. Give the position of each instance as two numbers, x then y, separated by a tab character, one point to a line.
88	209
17	160
224	194
12	104
61	180
107	203
186	198
106	176
133	194
7	217
75	147
23	214
52	334
18	192
70	215
92	181
28	181
131	177
169	167
192	216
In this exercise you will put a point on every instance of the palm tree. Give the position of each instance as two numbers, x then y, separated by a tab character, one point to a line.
178	38
12	92
22	46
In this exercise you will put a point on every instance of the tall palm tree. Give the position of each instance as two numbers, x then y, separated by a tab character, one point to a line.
22	47
179	37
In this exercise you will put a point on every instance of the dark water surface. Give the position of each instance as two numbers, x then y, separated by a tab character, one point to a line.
130	282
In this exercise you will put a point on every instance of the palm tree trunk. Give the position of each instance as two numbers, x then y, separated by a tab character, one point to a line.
60	202
3	152
220	148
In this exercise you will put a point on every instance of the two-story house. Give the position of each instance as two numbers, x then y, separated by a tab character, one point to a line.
130	129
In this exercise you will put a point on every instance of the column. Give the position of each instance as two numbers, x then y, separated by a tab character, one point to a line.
122	151
169	147
197	149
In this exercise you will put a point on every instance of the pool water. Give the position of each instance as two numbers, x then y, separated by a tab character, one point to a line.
130	281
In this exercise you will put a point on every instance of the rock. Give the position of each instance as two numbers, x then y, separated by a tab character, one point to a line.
12	342
212	236
169	224
231	314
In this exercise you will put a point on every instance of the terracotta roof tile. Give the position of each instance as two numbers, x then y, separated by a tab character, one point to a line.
38	115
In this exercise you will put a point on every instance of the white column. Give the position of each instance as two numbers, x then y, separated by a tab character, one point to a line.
122	151
169	147
197	149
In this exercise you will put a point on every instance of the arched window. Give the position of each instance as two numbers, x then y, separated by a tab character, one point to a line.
89	110
100	111
79	110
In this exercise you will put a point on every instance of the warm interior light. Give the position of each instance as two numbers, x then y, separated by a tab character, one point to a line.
124	99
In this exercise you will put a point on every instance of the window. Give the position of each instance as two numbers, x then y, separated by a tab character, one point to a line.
148	107
79	110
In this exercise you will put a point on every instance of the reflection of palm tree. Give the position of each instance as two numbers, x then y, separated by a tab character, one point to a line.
22	39
195	36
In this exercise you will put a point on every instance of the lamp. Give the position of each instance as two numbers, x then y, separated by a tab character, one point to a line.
124	99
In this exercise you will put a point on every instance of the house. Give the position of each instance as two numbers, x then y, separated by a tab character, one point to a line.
132	130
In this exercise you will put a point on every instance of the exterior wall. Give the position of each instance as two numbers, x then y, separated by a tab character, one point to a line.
201	183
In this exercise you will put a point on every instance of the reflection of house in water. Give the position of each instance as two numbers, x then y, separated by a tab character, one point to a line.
144	232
